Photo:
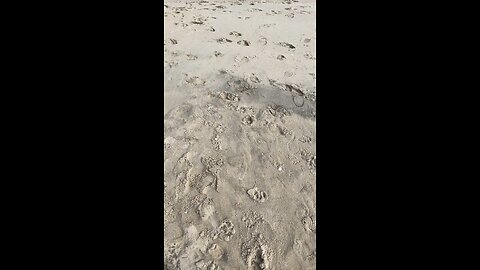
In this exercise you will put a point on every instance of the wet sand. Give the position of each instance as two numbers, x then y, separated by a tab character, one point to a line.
239	135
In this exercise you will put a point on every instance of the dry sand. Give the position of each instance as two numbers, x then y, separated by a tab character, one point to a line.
239	136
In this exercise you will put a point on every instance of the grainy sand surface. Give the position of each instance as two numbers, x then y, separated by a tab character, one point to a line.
239	136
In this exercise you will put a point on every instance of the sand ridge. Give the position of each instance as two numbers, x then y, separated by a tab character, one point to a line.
239	134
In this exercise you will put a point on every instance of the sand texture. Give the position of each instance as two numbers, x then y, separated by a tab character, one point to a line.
239	134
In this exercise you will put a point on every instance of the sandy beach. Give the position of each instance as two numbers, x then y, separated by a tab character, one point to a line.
239	134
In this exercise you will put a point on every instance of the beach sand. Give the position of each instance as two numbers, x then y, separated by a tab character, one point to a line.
239	134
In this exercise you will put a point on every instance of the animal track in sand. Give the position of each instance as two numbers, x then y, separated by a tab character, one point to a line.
286	45
309	224
257	195
256	254
235	33
229	96
213	166
224	40
241	86
309	158
278	111
170	41
191	57
243	43
172	64
198	21
226	230
248	120
305	139
238	117
216	142
253	78
309	56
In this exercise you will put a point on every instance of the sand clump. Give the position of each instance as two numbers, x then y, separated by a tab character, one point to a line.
239	135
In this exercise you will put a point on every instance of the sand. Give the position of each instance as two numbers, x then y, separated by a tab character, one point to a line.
239	135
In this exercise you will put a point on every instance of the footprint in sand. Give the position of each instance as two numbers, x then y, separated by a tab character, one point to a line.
235	33
256	253
281	57
170	41
286	45
257	195
224	40
243	43
239	59
226	230
191	57
248	120
309	224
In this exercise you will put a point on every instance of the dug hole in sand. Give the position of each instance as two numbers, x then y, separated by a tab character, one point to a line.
239	135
